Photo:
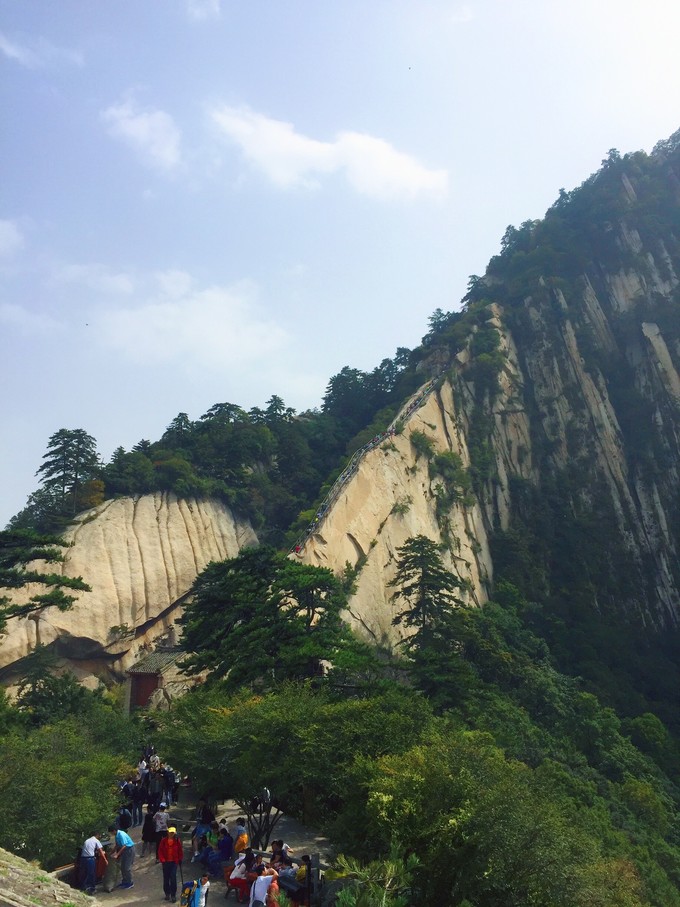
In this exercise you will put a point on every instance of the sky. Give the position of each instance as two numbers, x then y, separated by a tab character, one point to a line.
209	201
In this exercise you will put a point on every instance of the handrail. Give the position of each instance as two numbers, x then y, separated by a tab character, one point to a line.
353	464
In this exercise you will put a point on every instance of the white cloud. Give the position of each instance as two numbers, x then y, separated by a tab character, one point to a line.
284	155
16	316
288	158
11	239
375	168
152	133
37	53
200	10
217	328
96	277
174	283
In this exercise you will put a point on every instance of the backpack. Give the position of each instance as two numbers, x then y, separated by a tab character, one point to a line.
188	896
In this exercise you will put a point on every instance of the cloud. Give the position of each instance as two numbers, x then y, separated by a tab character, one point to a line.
373	167
11	239
152	133
38	53
200	10
216	328
96	277
288	158
16	316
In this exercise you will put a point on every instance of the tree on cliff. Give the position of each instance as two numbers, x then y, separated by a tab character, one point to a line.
18	549
71	460
260	618
430	590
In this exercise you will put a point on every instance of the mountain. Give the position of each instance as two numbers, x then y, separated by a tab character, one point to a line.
542	448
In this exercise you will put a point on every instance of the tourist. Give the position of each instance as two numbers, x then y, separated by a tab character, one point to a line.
161	821
88	858
170	854
125	854
261	885
202	890
148	831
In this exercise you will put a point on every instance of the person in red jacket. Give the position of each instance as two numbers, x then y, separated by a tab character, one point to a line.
170	854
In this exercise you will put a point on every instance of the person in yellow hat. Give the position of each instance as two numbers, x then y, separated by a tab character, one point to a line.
170	855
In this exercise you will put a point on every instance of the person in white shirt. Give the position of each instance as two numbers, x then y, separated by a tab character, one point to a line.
161	821
203	889
260	887
88	855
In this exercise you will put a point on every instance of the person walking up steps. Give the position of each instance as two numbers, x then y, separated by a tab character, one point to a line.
125	854
170	854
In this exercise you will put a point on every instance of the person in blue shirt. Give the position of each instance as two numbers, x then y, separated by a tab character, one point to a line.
125	852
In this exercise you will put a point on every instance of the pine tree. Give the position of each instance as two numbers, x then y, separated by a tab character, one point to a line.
18	549
430	590
71	460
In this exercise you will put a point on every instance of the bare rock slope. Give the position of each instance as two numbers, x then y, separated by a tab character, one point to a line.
140	556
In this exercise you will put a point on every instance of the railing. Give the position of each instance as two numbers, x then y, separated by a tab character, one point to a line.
349	470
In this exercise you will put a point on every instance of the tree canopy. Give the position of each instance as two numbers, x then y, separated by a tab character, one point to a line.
261	618
430	590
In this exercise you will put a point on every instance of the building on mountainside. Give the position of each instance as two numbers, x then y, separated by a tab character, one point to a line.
155	678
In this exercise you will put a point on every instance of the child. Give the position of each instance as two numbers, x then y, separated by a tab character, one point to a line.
202	890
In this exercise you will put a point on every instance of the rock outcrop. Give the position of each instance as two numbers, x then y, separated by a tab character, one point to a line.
605	426
140	556
27	885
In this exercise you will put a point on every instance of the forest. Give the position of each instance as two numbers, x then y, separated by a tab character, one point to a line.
522	753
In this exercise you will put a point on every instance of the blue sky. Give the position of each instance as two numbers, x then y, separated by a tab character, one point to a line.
210	201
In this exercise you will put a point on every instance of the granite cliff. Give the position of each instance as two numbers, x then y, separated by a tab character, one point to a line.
140	556
558	394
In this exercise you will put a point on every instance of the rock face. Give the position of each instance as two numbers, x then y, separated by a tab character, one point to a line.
395	493
390	498
27	885
140	556
582	418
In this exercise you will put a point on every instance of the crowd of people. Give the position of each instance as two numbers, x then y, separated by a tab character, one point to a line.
218	851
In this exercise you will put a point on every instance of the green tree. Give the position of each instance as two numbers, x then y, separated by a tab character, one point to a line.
128	473
44	696
18	549
59	786
299	741
380	883
261	618
430	590
179	431
71	459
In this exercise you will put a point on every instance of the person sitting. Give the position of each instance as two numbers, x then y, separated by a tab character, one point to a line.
225	844
208	848
288	882
238	881
204	817
240	835
279	851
